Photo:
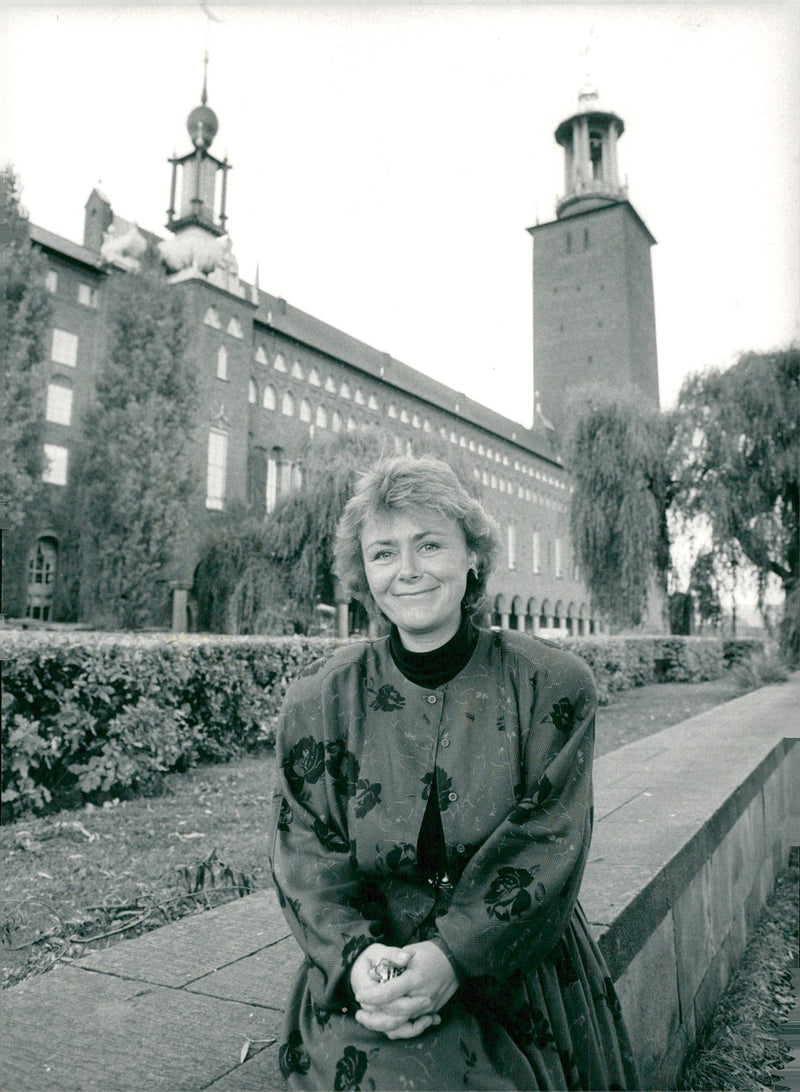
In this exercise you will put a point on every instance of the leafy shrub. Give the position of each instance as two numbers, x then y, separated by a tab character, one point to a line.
86	716
735	649
688	659
760	669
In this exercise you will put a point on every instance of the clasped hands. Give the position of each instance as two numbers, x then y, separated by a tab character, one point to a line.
409	1004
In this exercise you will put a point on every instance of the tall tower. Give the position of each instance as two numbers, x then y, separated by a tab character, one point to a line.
593	309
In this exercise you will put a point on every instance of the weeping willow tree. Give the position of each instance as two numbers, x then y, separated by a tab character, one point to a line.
618	458
268	576
736	456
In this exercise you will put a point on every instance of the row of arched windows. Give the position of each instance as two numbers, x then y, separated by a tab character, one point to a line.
291	406
533	617
321	417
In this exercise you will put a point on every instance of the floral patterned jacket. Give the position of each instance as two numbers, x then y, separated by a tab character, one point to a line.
511	739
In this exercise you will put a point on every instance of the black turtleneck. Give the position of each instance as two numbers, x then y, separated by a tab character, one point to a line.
440	665
431	670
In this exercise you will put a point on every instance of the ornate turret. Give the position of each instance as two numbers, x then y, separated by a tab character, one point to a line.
200	245
199	170
589	139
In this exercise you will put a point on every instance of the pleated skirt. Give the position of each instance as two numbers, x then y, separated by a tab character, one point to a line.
558	1027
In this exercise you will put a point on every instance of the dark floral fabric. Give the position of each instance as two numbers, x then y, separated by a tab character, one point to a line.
508	745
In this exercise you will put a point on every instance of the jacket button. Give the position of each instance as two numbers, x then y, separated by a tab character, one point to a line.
461	848
445	742
451	796
432	699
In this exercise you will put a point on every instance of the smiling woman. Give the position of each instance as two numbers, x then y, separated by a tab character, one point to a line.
416	566
432	819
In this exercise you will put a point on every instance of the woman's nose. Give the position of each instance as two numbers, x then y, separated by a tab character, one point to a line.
409	568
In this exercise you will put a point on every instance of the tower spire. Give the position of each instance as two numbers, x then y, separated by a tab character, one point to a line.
204	93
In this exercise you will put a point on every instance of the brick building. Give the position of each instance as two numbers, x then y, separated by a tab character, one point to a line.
271	377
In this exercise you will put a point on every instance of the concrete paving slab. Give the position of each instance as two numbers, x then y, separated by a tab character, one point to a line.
197	945
261	979
76	1029
261	1073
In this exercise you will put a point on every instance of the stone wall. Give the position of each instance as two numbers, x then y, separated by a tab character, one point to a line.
692	826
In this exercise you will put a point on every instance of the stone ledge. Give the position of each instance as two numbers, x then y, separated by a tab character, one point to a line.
692	826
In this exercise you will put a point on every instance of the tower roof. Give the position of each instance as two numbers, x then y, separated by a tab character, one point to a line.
590	106
202	123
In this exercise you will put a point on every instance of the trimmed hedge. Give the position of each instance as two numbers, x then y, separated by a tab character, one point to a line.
88	715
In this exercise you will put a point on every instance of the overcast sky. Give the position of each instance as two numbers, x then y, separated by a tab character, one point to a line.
388	158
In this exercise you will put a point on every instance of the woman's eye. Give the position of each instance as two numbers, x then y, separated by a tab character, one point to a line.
429	546
381	555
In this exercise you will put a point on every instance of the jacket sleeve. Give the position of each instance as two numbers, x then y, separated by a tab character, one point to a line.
317	882
517	893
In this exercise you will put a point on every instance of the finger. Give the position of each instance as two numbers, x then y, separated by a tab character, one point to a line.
382	992
379	1021
407	1007
415	1027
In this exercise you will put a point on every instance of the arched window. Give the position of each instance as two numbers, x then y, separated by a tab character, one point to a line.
235	328
462	441
330	385
287	404
313	378
392	410
59	401
415	421
373	403
261	356
321	419
336	421
427	426
404	416
305	410
344	390
211	318
252	392
269	399
279	364
358	398
297	371
42	565
222	362
351	425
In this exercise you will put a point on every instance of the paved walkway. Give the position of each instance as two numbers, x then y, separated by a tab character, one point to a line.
170	1010
173	1009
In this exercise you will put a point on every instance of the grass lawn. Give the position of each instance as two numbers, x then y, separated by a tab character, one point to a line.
113	872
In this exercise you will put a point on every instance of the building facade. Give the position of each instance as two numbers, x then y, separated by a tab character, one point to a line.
271	377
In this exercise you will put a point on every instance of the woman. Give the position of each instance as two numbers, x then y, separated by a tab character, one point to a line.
432	821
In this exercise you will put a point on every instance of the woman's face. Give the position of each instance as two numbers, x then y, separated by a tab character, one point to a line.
416	565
